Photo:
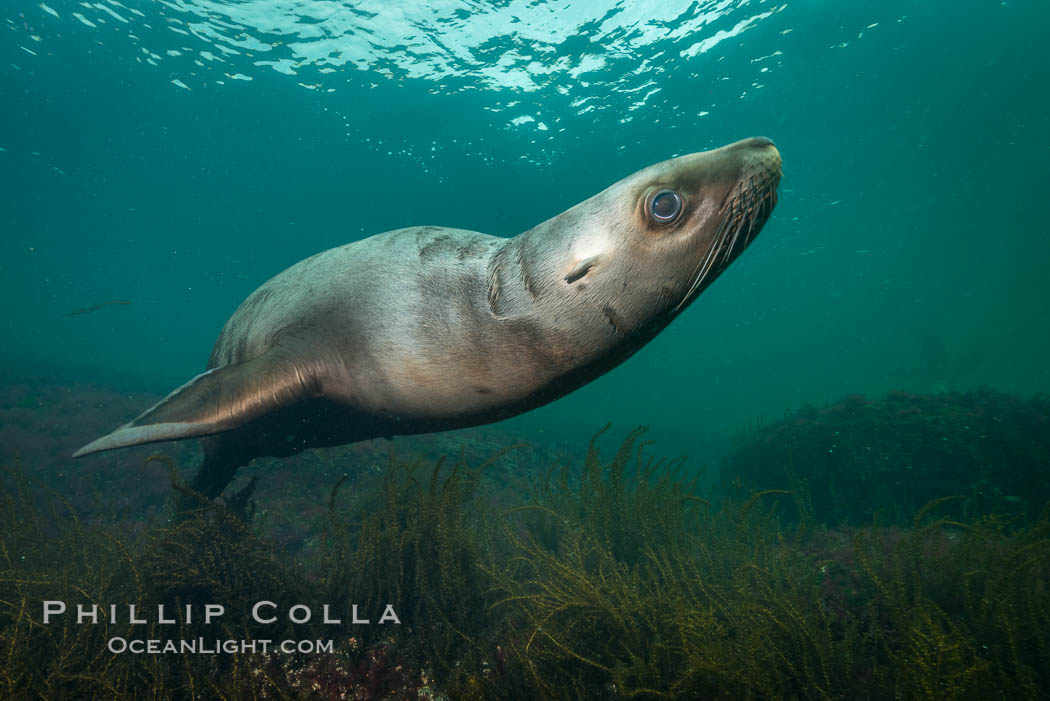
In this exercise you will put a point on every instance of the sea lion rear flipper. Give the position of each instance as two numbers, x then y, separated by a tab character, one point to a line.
217	400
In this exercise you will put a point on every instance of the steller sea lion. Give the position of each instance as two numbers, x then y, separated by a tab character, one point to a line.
428	328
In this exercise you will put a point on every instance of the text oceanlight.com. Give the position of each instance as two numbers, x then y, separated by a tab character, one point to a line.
202	646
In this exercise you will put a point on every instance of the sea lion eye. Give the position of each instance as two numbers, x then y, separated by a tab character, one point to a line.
665	206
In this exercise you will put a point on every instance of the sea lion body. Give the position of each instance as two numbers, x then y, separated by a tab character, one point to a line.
400	326
429	328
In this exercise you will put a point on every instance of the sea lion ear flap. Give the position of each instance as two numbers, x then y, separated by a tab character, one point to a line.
217	400
580	269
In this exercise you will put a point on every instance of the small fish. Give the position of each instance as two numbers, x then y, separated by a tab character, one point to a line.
96	307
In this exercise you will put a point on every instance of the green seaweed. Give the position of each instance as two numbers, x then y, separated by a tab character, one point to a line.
646	592
736	602
414	543
609	579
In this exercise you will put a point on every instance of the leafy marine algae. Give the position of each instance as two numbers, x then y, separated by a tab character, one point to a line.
404	542
686	601
962	608
634	587
50	555
415	543
611	580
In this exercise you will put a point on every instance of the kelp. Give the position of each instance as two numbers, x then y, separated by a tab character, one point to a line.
634	586
607	579
679	600
415	543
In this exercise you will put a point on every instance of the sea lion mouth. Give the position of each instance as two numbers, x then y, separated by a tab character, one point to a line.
744	210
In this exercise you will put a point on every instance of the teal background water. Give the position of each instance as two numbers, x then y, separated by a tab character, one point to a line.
177	154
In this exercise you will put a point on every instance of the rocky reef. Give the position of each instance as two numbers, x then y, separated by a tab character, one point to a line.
858	459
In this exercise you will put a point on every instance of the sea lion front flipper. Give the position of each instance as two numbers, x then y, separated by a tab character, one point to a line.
218	400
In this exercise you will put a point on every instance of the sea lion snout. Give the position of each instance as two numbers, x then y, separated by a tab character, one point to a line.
760	157
716	174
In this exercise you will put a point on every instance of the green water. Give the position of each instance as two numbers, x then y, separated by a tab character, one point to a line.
177	154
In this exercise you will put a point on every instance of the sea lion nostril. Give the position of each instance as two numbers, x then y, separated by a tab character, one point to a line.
759	141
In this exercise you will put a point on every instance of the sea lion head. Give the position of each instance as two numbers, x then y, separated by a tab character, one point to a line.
644	248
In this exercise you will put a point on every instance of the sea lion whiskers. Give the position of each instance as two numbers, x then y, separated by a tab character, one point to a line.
705	264
702	267
756	210
743	212
749	203
750	206
768	199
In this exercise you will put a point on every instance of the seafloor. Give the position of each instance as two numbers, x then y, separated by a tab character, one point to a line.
894	547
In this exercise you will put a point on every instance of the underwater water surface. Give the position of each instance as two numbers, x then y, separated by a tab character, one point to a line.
159	160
